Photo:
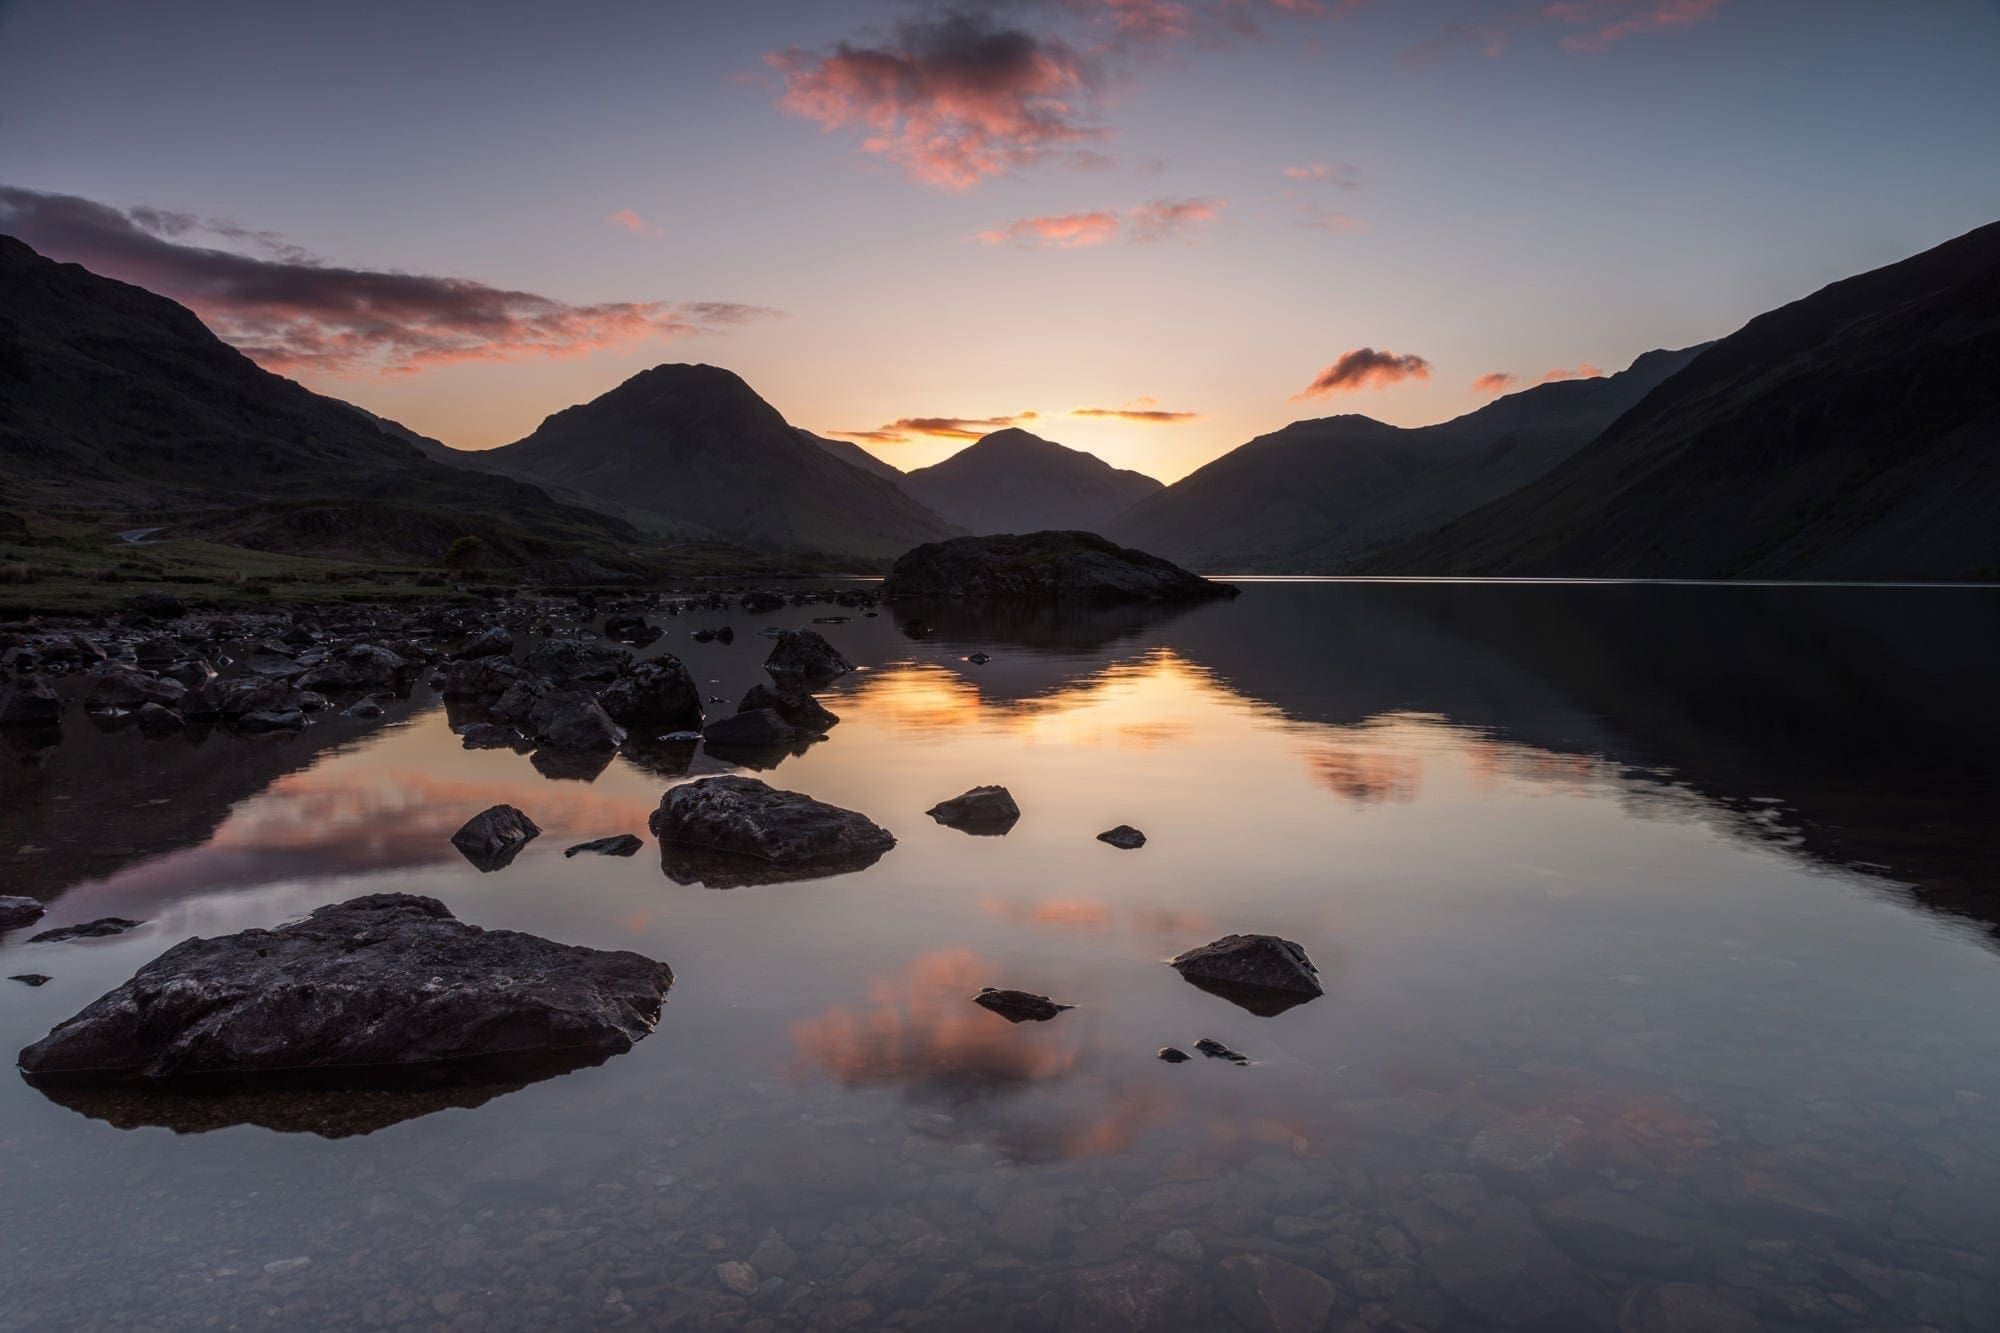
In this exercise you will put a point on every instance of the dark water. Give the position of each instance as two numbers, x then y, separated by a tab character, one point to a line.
1656	924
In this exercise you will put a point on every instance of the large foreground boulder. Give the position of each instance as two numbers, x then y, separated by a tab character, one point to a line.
756	826
389	990
1042	567
1261	973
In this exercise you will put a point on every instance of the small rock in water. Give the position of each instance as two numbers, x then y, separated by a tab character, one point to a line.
31	979
987	811
492	838
1019	1006
742	817
979	659
1260	973
622	844
18	912
738	1276
366	709
1174	1055
1124	837
805	656
88	930
1215	1050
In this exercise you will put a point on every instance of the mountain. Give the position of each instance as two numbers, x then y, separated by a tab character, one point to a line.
695	448
113	398
1314	496
853	454
1852	434
1011	481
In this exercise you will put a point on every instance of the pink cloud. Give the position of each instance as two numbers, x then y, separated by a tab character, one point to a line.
1586	371
942	428
298	313
1615	20
1498	382
1331	221
1343	176
1158	220
1365	368
633	223
950	99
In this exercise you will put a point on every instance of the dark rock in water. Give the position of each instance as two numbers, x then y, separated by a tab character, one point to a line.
389	990
128	687
480	678
1019	1006
240	697
32	979
759	728
622	844
564	661
88	930
367	710
749	821
163	605
1261	973
1044	566
28	702
1269	1294
979	659
987	811
1124	837
493	736
797	707
634	630
359	666
1215	1050
759	603
656	696
268	719
492	838
18	912
1174	1055
574	720
805	656
157	717
494	641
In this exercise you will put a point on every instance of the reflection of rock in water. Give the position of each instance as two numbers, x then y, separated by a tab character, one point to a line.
1073	627
1254	999
330	1114
571	765
686	864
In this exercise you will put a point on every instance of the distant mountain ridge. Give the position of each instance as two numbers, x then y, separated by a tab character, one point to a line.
1014	481
1852	434
1317	495
853	454
112	397
695	447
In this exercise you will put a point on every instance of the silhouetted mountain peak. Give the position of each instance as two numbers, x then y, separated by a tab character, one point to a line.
1013	480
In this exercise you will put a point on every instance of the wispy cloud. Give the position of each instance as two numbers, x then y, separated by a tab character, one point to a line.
1498	382
1329	220
1157	220
289	311
1365	368
1586	371
1144	411
1614	20
633	223
1324	173
941	428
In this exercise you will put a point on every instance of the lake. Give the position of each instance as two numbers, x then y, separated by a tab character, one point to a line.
1657	926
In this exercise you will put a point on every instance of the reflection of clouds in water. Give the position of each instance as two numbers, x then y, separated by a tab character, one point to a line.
1366	776
1096	916
921	1030
1134	705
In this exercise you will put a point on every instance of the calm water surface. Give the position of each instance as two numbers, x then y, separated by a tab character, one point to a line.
1656	925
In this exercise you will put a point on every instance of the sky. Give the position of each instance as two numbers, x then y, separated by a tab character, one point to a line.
1152	229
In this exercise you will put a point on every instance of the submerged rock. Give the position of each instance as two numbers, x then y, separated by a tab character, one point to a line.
805	656
622	844
387	990
1124	837
983	810
796	706
492	838
1019	1006
87	930
1044	566
743	818
1261	973
18	912
28	702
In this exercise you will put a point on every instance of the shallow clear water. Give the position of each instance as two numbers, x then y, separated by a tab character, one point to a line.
1655	924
